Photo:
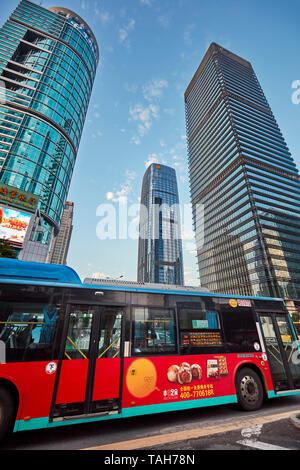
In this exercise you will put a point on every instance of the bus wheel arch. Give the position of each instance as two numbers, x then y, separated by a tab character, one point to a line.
250	386
9	405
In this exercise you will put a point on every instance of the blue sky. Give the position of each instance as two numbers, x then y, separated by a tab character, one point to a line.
150	50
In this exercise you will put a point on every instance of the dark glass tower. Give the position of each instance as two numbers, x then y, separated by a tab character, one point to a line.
241	170
60	245
48	62
160	245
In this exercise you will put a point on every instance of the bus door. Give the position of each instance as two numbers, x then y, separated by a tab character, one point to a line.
282	349
89	371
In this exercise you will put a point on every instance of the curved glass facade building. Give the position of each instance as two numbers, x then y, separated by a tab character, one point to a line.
243	173
160	258
48	62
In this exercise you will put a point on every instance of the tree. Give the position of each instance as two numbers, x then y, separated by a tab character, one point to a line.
7	251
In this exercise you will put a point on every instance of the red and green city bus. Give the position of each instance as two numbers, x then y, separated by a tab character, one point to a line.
72	352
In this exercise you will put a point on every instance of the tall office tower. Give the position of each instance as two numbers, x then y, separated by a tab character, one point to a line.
243	174
160	245
48	61
60	244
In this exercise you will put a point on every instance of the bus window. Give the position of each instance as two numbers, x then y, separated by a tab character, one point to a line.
79	332
27	329
239	329
199	328
153	331
194	318
110	334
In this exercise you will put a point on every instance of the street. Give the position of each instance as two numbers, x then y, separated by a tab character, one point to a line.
215	428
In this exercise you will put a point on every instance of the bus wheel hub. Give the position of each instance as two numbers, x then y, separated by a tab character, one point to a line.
249	389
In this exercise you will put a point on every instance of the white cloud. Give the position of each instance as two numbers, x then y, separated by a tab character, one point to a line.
144	117
105	17
146	2
131	175
135	140
154	89
144	114
125	30
164	21
170	111
131	88
96	134
109	195
139	113
152	158
109	49
187	33
99	276
125	190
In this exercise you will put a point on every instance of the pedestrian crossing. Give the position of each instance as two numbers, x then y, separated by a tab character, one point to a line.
258	445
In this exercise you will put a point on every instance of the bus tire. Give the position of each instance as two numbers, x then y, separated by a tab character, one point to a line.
7	411
249	390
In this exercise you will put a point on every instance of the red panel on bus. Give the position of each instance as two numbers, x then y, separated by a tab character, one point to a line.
35	383
107	379
72	381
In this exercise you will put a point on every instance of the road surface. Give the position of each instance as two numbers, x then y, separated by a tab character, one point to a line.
183	430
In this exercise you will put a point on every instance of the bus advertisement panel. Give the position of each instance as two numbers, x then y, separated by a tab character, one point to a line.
180	382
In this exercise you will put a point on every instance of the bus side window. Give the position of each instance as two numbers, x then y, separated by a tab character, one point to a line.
200	330
27	329
153	331
239	329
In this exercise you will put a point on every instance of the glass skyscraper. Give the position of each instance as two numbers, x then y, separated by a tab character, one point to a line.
160	246
243	174
48	61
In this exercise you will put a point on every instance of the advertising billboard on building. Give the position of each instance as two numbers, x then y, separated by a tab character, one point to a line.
13	225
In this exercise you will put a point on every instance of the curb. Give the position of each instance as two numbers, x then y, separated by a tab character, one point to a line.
295	419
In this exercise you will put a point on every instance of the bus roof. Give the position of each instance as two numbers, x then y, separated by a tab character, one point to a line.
24	272
109	284
142	285
16	270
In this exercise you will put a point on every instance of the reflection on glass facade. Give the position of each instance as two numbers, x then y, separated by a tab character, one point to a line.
48	61
160	245
60	244
243	173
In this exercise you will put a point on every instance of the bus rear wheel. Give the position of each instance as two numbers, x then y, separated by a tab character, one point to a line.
7	409
249	390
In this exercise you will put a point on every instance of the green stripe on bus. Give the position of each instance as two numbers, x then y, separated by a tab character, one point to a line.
273	394
40	423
